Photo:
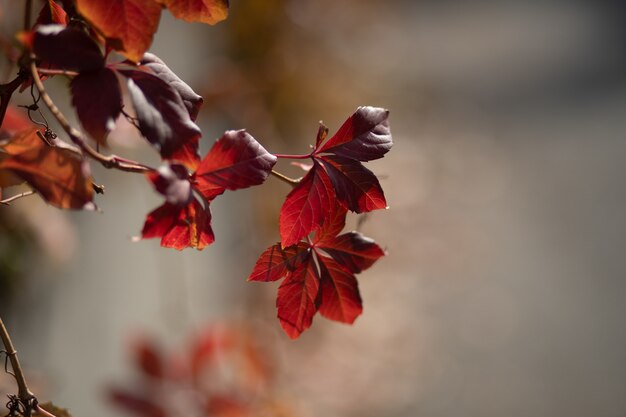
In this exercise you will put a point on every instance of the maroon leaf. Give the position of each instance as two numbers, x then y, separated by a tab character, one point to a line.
296	300
364	136
97	97
235	161
355	186
353	250
180	227
162	116
306	206
275	262
137	404
340	297
172	181
148	359
332	226
192	101
187	154
67	48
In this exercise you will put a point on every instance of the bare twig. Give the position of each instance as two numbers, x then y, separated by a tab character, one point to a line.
290	181
28	11
110	161
46	71
7	201
23	393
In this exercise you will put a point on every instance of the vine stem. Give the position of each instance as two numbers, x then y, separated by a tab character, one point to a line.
110	161
46	71
23	393
288	180
287	156
7	201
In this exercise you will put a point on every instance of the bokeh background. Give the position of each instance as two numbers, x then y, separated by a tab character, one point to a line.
503	292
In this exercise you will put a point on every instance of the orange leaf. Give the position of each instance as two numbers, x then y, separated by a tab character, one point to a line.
129	25
204	11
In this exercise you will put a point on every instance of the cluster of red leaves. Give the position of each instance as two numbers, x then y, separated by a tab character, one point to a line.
316	261
222	373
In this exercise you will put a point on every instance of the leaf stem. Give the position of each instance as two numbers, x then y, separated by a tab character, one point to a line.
24	394
110	161
7	201
288	180
288	156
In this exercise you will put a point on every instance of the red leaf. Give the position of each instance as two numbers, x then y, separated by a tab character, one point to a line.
134	403
24	140
306	206
275	262
235	161
353	250
180	227
172	181
355	186
67	48
97	97
340	297
205	11
364	136
192	101
187	154
297	299
58	175
148	359
52	13
14	121
332	226
162	116
128	24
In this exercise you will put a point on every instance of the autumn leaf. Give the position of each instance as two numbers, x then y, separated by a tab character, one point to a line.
204	11
52	13
337	175
129	25
180	227
235	161
67	48
57	174
192	101
161	114
318	274
97	97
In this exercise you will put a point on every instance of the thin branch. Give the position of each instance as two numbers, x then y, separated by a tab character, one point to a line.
28	11
290	181
288	156
7	201
110	161
47	71
23	393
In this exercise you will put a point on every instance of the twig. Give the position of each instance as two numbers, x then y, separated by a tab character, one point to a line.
23	393
46	71
110	161
7	201
290	181
28	11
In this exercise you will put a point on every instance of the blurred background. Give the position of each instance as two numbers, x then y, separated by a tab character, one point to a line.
503	292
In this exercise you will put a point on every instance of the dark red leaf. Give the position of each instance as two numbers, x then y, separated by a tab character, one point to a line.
205	11
136	404
180	227
52	13
322	132
67	48
235	161
148	359
297	299
353	250
332	226
355	186
187	154
340	297
128	24
57	174
275	262
364	136
97	97
162	116
306	206
192	101
172	181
